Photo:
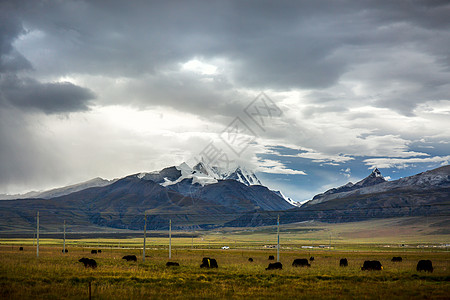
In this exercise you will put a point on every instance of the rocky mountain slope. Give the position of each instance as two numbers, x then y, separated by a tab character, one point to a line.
375	183
424	194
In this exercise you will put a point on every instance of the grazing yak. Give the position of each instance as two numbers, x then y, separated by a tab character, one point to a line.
21	249
88	262
99	251
397	259
172	264
271	257
311	258
343	262
93	251
372	265
209	263
301	262
130	257
64	250
250	259
275	266
425	265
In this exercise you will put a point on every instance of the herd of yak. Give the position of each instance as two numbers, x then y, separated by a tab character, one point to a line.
209	263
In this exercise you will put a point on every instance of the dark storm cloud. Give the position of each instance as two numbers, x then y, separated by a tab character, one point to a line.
269	45
29	94
24	92
10	29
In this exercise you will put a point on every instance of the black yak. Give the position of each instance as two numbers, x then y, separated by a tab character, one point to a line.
397	259
64	250
172	264
99	251
275	266
271	257
130	258
21	249
425	265
301	262
372	265
250	259
209	263
93	251
88	262
343	262
311	258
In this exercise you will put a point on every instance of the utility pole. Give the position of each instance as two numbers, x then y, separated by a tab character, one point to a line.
170	238
37	235
278	237
64	242
145	233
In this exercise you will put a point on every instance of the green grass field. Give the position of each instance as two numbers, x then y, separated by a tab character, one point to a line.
57	276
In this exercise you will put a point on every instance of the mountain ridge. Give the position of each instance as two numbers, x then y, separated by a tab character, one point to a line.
201	173
375	182
187	195
423	194
60	191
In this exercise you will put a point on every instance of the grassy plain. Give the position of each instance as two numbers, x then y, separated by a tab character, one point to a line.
57	276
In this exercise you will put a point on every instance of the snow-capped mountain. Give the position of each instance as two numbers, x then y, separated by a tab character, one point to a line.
375	183
188	181
201	174
199	195
373	179
425	194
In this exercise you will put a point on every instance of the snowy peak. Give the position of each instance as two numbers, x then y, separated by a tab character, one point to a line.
185	179
202	168
376	173
201	173
374	178
375	183
243	176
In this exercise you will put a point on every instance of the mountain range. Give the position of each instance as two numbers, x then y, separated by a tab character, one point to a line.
204	196
197	196
424	194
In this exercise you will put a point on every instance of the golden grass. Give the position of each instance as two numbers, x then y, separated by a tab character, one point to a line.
58	276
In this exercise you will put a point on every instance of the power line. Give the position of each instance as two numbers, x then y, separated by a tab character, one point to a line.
293	211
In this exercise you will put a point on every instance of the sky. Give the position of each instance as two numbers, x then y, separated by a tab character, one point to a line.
308	94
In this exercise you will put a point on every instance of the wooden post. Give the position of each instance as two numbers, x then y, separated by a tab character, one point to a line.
89	290
37	235
145	233
278	237
64	242
170	238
